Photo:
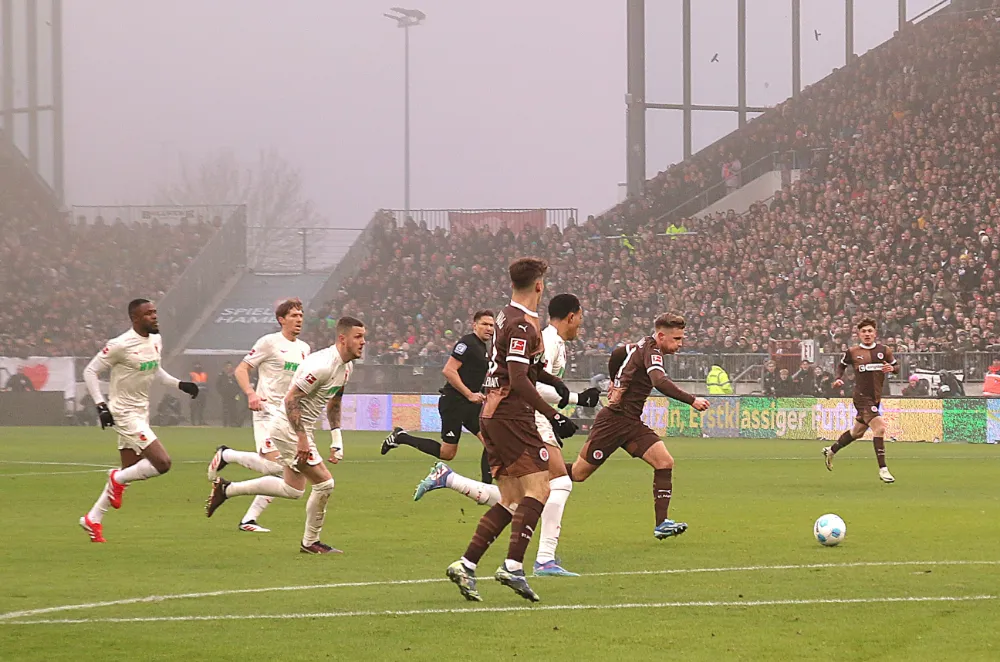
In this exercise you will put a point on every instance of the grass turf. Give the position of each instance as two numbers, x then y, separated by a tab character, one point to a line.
750	504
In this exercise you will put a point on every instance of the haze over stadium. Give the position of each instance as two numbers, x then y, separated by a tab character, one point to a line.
752	232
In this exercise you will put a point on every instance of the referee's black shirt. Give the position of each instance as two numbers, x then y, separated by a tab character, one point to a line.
471	352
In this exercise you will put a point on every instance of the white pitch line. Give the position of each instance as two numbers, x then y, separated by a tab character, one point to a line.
496	610
402	582
59	464
55	473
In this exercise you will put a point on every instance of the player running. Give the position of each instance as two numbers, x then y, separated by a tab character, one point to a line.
871	362
276	357
565	316
134	360
636	370
317	384
518	455
461	397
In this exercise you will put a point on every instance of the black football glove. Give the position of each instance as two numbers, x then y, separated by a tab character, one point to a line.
563	427
589	398
103	413
563	392
190	388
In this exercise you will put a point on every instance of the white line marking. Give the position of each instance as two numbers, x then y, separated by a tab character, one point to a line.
495	610
403	582
55	473
59	464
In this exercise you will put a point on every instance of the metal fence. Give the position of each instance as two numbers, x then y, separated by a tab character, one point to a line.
441	218
224	254
298	250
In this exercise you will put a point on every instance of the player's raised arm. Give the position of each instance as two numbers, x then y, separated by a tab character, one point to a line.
663	384
838	373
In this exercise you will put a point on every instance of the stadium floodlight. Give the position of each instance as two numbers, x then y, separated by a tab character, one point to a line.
406	19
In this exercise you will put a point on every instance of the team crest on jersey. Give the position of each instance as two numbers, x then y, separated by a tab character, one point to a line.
544	454
460	348
880	355
656	359
598	455
518	346
874	409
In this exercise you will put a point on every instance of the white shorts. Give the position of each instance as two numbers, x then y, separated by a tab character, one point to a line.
262	432
545	430
134	432
286	441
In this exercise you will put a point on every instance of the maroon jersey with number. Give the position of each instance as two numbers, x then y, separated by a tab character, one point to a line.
516	339
869	378
631	385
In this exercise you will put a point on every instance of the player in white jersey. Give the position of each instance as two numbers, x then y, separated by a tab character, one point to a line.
565	316
276	357
318	384
134	361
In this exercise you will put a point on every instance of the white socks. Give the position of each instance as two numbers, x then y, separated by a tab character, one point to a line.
265	485
96	513
481	493
559	489
260	502
253	462
316	511
141	470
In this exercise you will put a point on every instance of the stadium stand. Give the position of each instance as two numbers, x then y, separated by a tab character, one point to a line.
896	215
64	285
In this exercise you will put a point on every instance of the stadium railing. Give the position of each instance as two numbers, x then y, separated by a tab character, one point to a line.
442	218
222	256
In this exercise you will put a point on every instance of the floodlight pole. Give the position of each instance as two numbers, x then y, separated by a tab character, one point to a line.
406	19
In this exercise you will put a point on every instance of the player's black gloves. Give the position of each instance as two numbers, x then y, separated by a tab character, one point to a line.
103	413
190	388
562	426
589	398
563	392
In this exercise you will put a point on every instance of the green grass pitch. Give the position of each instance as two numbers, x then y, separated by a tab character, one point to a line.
917	578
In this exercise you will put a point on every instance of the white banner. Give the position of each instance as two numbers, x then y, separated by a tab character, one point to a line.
46	373
167	214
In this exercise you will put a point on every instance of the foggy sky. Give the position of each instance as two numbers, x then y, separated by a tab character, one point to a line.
514	104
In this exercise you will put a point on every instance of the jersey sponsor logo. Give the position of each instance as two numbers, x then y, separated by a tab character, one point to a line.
491	382
518	346
334	390
656	359
544	454
598	455
870	367
310	378
148	365
460	348
291	366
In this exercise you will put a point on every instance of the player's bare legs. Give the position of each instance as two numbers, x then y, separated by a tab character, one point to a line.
152	461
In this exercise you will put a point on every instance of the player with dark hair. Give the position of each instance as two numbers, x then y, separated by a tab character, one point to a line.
565	317
276	356
518	455
134	361
461	397
636	370
318	384
871	361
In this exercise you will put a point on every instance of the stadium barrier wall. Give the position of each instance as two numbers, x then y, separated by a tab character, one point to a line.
969	420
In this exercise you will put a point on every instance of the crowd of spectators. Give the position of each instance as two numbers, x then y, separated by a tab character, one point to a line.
897	217
64	285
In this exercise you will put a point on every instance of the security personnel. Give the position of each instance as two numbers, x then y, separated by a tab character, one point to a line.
718	381
199	377
461	397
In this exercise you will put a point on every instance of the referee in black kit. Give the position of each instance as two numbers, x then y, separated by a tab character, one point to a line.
461	397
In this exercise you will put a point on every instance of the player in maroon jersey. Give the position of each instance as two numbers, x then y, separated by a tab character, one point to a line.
871	362
519	458
636	369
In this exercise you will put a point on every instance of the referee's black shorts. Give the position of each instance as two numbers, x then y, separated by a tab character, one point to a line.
456	413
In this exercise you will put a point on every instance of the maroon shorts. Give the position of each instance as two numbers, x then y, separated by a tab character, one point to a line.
867	411
613	431
514	447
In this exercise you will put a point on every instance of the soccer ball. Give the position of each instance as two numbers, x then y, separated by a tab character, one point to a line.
829	530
